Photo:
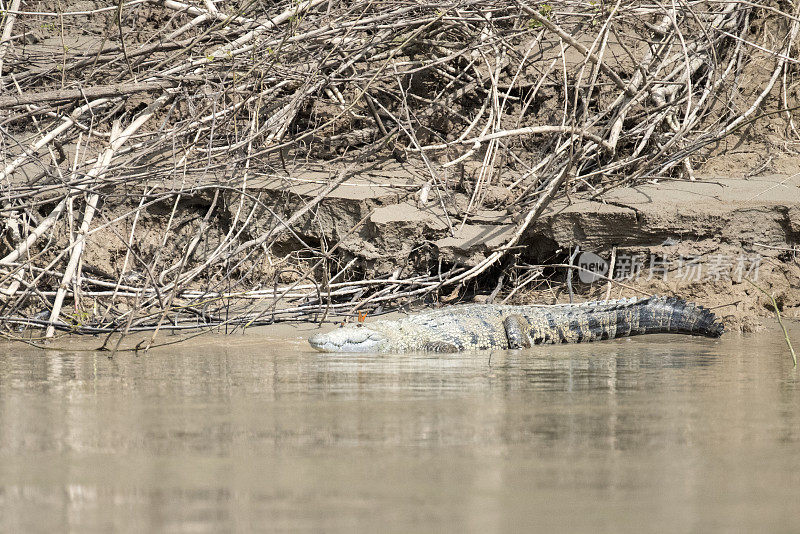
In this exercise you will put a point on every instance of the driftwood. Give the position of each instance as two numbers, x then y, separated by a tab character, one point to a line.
572	95
118	90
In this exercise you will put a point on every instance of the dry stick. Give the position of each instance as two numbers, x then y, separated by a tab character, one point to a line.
186	256
602	41
466	132
778	315
309	271
80	239
222	246
151	278
363	90
635	84
193	243
67	122
97	172
532	215
36	280
98	91
565	79
7	29
157	257
532	275
74	13
146	50
691	121
290	110
569	272
412	135
333	184
611	265
248	319
740	120
233	48
227	241
596	118
529	130
490	157
212	13
343	288
306	37
596	275
34	147
781	62
128	248
784	91
570	267
37	232
567	38
661	94
293	107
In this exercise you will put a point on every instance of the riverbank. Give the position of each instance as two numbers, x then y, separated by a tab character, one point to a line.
702	240
179	166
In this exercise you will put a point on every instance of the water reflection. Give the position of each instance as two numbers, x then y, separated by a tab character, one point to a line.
239	434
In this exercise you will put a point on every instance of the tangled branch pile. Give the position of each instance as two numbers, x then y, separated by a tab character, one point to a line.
148	124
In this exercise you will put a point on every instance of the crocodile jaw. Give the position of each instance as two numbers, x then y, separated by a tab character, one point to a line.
348	339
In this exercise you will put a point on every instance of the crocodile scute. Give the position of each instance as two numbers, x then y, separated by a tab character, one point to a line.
492	326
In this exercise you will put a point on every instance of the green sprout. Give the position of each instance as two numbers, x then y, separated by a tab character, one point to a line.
545	10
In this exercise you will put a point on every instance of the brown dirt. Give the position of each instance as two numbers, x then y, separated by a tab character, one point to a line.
718	219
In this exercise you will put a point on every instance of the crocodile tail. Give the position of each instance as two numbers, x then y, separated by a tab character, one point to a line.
675	315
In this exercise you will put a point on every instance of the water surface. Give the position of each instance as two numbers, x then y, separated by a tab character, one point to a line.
661	433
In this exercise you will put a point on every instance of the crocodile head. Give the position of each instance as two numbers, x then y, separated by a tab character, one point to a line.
349	339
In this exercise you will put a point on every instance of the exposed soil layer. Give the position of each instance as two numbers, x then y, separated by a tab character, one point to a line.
702	240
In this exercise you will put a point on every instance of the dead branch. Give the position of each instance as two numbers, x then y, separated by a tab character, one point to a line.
254	132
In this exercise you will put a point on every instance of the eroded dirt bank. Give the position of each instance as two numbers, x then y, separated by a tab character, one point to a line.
702	240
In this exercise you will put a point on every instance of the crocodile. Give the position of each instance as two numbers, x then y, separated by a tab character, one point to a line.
490	326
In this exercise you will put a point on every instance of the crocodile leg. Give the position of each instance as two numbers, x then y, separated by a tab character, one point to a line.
517	332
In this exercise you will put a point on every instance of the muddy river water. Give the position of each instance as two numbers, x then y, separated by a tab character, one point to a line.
660	433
